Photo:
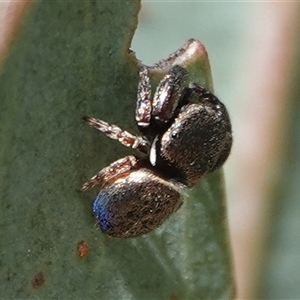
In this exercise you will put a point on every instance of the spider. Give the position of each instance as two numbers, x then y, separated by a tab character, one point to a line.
186	133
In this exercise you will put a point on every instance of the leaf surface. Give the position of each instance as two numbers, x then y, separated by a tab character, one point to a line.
70	60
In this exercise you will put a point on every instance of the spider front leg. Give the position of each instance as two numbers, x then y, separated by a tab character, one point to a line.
168	94
165	100
113	171
143	103
116	133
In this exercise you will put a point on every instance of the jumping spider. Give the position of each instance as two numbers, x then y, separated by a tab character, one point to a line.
186	134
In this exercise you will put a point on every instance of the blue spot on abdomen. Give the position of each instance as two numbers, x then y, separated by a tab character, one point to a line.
101	212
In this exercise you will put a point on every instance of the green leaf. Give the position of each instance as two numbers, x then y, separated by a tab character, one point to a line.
72	60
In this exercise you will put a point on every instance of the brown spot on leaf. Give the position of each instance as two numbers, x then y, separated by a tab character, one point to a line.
38	280
82	248
174	297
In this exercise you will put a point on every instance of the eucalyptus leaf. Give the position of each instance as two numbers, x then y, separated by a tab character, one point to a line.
71	59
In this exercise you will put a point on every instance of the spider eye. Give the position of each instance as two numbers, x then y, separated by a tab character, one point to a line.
174	135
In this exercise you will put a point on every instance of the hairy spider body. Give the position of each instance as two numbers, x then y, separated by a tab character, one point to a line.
136	203
198	141
187	134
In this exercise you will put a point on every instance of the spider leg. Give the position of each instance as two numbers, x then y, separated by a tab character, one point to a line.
114	170
201	94
116	133
143	103
168	94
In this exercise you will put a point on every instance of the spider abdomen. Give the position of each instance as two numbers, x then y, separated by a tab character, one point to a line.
136	203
